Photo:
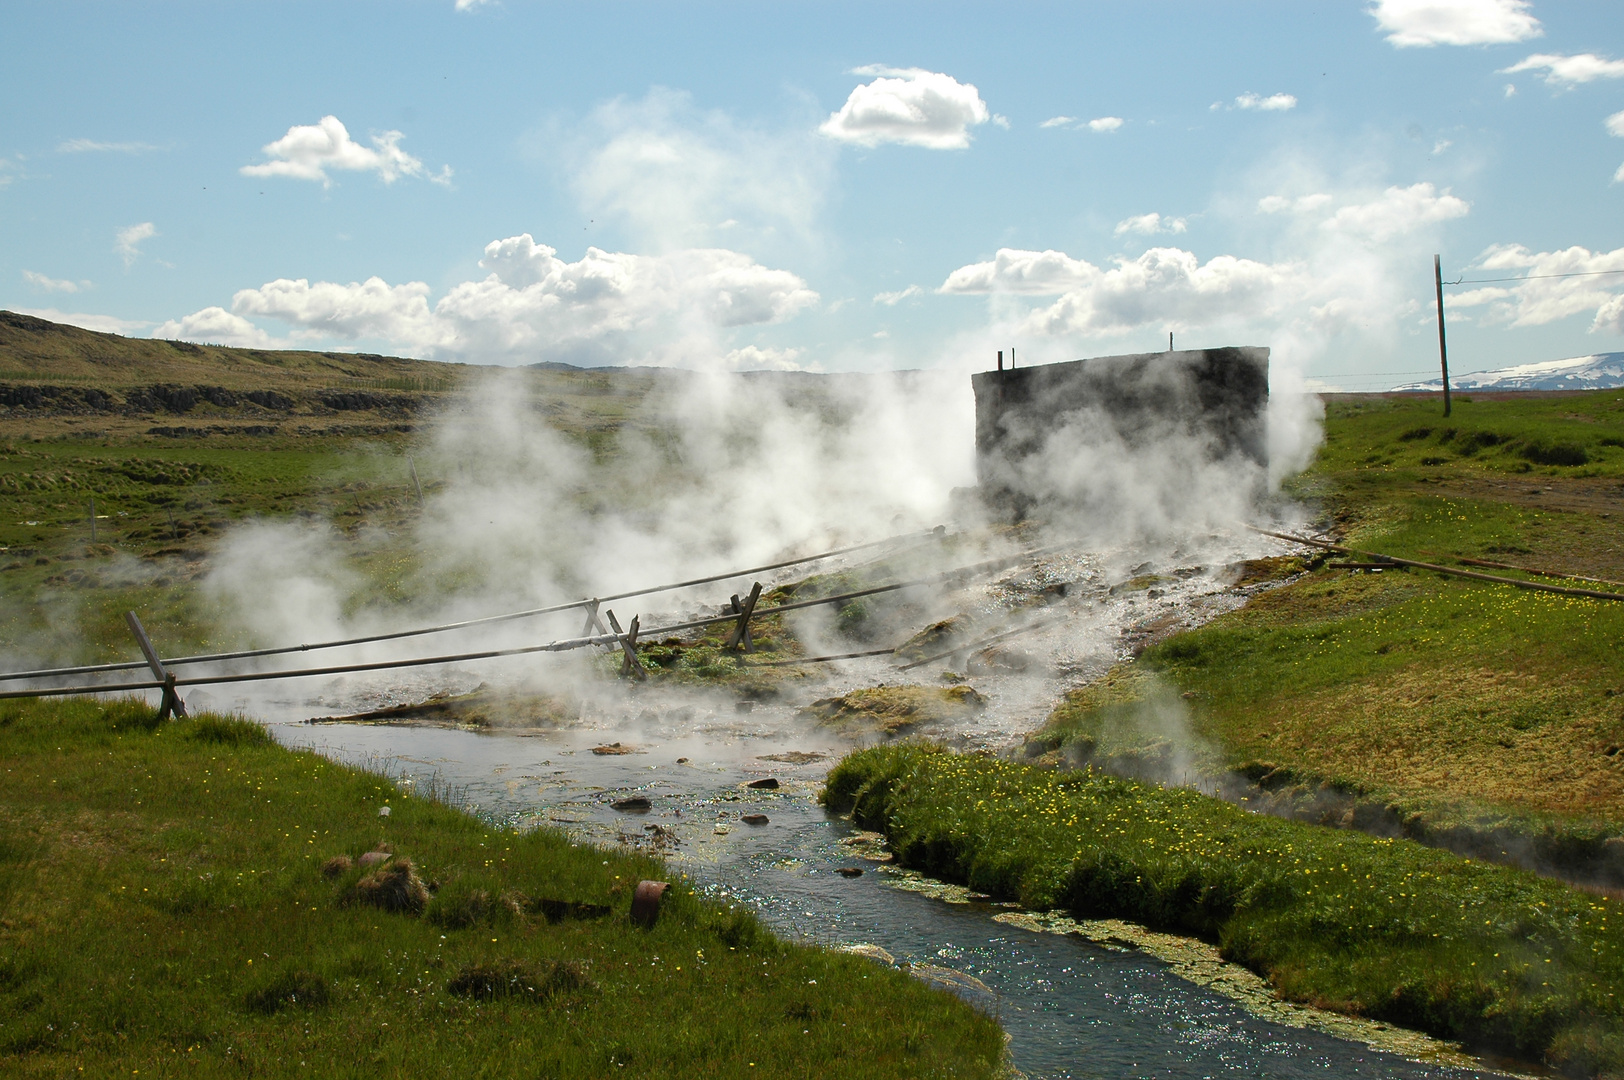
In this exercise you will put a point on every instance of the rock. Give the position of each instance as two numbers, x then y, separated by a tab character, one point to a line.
610	749
634	805
646	902
383	811
849	871
769	783
872	952
793	757
373	858
754	819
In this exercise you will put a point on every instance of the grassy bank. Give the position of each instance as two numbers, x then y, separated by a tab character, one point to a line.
1388	929
1451	708
169	904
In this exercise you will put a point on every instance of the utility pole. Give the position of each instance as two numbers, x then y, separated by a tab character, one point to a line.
1443	351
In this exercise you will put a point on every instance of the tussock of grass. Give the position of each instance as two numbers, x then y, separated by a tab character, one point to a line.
162	899
516	979
894	710
1388	929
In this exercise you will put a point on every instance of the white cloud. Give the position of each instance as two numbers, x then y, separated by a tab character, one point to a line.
1105	124
1001	120
1455	22
607	307
892	299
1569	70
1011	270
1272	103
1149	225
910	106
129	240
1615	124
1164	286
368	309
472	5
1303	204
1343	271
91	146
217	326
50	284
679	177
307	151
107	324
1397	211
1058	121
756	358
1440	145
1547	295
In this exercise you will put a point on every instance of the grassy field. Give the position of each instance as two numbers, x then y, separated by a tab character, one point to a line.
1447	703
167	908
1389	929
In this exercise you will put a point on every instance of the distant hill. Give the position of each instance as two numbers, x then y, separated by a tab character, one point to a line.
1599	371
33	349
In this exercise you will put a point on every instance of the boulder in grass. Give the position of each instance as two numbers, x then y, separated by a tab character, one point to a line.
393	887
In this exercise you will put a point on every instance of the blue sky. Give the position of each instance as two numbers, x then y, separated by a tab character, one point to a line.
829	186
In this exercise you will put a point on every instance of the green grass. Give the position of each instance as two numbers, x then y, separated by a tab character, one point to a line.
1388	929
1447	703
1579	434
163	909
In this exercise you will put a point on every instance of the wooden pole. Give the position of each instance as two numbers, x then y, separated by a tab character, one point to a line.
593	623
172	705
630	664
174	530
739	636
412	465
1443	352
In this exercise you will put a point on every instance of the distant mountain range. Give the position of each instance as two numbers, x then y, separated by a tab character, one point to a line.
1599	371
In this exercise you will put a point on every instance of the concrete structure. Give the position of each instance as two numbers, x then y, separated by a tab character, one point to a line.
1207	403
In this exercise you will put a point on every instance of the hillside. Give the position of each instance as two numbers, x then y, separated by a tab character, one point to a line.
1599	371
36	350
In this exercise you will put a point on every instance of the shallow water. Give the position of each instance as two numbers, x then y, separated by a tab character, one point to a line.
1072	1008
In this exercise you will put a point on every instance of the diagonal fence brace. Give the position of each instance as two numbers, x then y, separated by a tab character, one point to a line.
739	636
594	625
630	664
172	704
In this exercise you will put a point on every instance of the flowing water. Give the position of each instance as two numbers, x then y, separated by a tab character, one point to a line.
1078	1000
1072	1007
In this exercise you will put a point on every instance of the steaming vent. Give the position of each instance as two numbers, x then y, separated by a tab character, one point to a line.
1088	435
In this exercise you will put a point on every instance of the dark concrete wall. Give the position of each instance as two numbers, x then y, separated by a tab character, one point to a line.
1213	398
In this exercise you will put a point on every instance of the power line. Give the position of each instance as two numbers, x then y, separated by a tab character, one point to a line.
249	654
1530	277
551	646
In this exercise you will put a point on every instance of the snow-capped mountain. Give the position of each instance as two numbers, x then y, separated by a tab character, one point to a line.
1599	371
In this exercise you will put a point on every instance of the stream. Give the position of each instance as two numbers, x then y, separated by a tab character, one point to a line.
1073	1008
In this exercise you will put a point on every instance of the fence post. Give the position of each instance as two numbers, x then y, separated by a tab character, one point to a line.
593	623
630	664
739	637
171	703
